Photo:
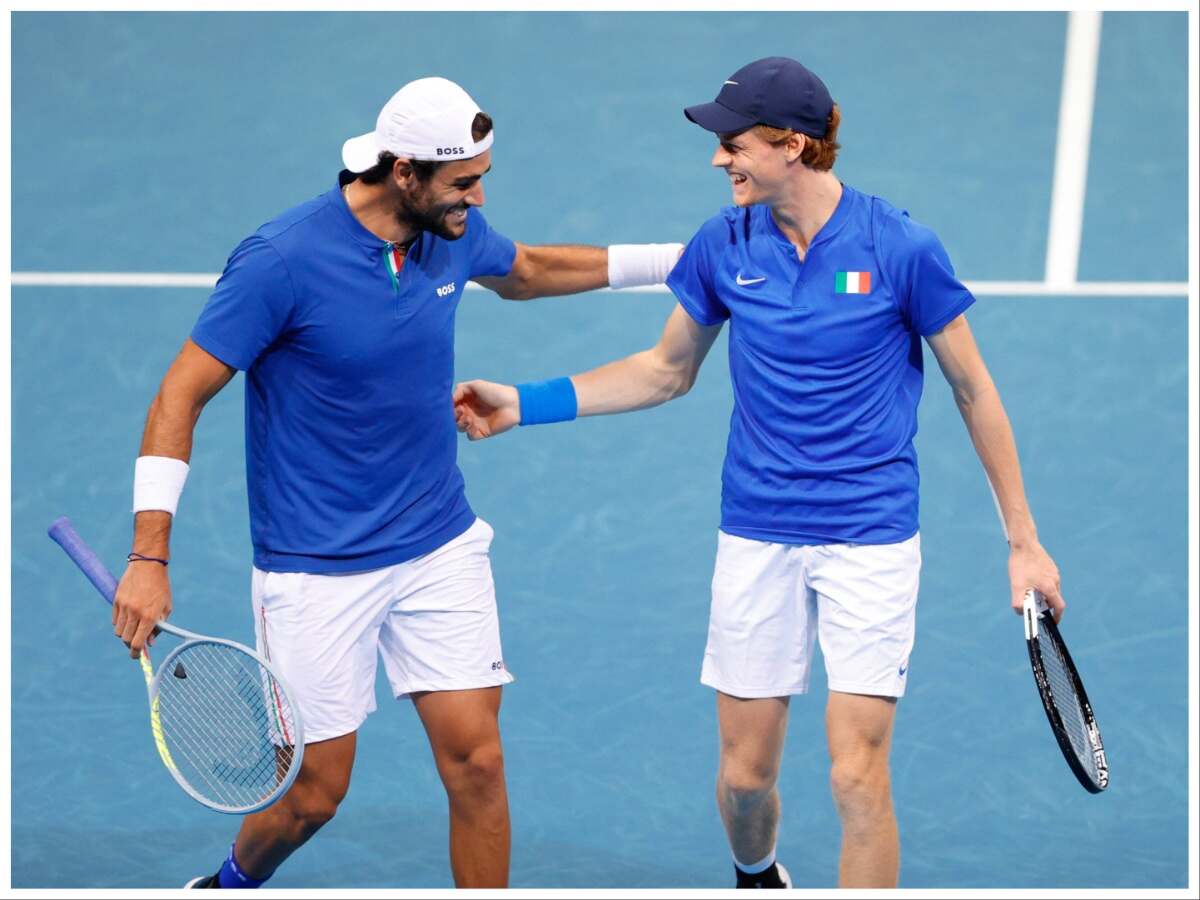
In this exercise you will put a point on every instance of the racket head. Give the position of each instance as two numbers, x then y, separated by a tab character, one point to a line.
232	733
1063	697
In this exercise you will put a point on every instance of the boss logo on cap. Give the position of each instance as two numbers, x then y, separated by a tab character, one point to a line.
450	151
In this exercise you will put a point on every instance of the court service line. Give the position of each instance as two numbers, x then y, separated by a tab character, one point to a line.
1073	143
979	288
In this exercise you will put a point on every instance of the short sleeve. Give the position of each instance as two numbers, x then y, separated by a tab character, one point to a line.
491	252
250	306
928	292
692	279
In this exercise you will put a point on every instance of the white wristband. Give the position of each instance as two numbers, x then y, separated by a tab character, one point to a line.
631	265
158	482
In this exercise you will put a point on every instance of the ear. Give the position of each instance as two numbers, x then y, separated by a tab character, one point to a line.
794	146
402	172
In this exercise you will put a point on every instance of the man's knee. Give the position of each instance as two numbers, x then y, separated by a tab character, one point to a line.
311	807
473	771
744	785
860	784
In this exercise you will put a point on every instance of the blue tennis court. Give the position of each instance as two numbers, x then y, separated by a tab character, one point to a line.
153	142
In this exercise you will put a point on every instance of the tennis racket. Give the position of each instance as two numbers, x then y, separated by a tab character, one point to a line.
1063	696
223	721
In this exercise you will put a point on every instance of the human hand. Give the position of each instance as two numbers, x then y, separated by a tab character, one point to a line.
1030	566
143	600
483	409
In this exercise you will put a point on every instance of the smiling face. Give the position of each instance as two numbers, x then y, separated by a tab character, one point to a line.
757	169
439	203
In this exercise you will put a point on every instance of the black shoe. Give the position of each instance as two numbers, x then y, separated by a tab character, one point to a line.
776	876
204	881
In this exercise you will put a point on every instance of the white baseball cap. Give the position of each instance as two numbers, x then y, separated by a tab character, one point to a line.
429	118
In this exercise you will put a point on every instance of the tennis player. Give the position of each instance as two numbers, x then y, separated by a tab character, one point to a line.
341	313
828	292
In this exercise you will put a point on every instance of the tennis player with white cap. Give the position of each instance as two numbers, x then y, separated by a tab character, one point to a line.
828	292
341	313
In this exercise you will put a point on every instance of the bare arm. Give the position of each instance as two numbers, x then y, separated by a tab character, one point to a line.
144	594
665	371
987	423
551	270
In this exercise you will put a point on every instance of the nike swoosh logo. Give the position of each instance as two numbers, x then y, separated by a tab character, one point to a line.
744	281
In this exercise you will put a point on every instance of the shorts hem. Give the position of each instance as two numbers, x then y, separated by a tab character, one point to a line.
315	736
459	685
877	690
757	693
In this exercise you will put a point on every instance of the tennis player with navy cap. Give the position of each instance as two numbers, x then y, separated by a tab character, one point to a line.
341	313
828	292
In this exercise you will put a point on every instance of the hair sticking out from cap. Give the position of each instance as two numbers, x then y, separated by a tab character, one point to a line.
818	153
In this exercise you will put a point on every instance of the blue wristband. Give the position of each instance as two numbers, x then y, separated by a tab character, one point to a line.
543	402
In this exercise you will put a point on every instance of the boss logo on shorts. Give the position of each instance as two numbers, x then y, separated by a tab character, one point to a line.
446	289
450	151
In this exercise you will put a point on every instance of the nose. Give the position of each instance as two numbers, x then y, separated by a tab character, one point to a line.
475	194
722	158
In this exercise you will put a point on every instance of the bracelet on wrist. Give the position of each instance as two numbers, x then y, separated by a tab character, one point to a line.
138	557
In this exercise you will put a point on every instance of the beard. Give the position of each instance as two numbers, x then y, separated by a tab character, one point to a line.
418	212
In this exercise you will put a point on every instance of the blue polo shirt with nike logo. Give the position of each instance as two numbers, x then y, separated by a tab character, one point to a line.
826	363
349	358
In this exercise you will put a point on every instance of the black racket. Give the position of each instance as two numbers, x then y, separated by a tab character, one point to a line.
1063	696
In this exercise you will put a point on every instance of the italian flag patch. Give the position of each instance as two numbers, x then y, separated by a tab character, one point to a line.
853	283
395	262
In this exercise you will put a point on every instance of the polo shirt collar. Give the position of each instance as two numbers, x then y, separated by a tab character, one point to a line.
337	200
841	215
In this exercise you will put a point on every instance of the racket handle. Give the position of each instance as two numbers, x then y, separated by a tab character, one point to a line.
64	534
1035	599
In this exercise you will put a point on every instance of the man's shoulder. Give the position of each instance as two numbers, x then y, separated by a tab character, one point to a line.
296	225
729	225
894	226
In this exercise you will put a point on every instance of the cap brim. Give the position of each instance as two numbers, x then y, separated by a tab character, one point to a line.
715	117
360	153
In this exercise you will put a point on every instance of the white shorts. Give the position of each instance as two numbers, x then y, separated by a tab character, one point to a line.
770	602
432	619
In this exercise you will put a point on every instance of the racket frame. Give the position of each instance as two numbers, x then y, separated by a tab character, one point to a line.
63	533
1038	619
191	639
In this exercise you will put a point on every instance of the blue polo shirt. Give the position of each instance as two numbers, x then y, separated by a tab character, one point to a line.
825	358
350	435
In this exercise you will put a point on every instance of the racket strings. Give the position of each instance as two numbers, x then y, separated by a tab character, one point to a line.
1066	699
228	724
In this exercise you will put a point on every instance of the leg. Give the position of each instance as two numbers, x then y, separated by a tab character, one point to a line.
464	732
269	837
752	734
859	729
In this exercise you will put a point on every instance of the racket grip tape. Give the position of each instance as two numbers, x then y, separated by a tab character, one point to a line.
63	533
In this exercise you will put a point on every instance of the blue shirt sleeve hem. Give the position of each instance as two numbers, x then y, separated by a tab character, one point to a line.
964	303
219	350
692	308
493	271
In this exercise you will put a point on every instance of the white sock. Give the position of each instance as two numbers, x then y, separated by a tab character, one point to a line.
761	866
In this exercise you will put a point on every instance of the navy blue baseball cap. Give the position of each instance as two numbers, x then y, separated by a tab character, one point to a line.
775	91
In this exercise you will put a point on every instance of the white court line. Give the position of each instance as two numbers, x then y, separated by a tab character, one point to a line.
1074	140
979	288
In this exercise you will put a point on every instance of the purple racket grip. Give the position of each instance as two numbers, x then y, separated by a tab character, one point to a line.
63	533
